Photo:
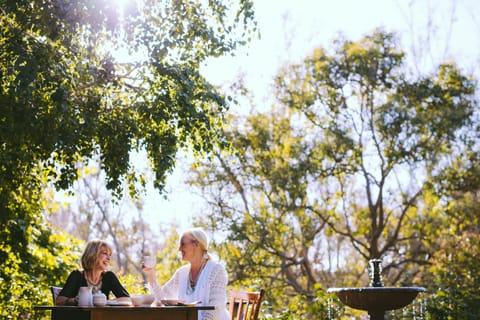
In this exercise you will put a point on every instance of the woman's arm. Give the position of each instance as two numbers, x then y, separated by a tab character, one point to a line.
69	294
168	291
66	301
116	287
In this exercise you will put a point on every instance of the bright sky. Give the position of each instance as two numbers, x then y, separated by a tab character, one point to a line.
290	30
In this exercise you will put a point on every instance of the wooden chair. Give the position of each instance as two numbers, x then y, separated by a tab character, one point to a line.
245	305
55	291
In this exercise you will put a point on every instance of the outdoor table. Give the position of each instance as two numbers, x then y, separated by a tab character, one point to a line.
124	312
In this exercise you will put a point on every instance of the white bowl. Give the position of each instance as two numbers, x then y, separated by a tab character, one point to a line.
137	299
142	299
148	298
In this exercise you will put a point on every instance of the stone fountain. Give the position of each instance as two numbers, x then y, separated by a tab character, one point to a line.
376	299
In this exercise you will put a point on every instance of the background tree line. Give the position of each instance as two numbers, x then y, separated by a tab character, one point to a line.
356	159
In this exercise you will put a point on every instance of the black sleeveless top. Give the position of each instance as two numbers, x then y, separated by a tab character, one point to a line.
110	283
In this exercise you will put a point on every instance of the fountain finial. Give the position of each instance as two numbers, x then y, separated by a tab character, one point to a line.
375	273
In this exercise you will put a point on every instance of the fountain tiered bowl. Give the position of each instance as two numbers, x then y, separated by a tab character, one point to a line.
376	299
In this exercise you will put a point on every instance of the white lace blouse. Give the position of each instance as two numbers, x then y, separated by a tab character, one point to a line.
211	290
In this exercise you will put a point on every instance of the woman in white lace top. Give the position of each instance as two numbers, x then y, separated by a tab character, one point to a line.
201	280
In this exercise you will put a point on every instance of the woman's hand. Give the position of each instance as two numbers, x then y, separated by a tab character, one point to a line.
149	273
66	301
124	299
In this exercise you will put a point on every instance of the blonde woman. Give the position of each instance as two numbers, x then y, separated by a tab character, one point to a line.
95	274
202	279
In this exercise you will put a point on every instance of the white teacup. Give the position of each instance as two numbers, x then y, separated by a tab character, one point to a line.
149	261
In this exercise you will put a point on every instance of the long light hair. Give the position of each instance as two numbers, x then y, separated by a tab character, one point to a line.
90	254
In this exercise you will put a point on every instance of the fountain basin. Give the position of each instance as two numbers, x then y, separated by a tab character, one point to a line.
377	298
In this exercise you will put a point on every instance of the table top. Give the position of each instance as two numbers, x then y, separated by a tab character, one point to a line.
123	312
107	307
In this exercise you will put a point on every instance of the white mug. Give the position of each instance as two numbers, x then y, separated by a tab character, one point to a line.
85	298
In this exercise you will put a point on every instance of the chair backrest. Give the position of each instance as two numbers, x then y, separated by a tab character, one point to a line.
55	291
245	305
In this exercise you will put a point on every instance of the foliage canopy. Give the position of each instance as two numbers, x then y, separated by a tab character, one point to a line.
68	96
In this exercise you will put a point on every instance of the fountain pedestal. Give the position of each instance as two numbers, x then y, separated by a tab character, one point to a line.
376	299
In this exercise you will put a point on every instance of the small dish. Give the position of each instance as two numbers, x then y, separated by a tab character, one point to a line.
172	302
118	303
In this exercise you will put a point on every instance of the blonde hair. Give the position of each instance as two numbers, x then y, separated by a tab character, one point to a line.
200	236
90	254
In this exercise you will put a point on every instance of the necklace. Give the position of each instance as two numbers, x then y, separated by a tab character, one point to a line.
95	286
193	282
